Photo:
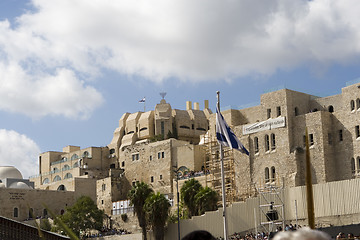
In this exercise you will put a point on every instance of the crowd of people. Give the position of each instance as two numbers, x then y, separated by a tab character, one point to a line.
191	174
349	236
263	235
301	234
107	232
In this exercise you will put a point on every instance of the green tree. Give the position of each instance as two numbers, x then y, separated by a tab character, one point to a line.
82	216
137	196
157	211
206	200
188	192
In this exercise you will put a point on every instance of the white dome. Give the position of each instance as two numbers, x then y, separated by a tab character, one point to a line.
9	172
19	185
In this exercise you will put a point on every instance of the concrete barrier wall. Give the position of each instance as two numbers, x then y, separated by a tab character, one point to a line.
331	201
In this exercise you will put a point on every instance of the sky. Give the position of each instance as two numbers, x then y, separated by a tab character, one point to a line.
69	69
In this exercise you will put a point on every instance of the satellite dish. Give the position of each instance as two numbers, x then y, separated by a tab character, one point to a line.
163	94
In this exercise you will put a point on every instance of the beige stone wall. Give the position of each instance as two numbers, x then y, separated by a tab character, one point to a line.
24	199
324	117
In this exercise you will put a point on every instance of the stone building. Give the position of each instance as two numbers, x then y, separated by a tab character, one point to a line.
274	134
146	146
19	201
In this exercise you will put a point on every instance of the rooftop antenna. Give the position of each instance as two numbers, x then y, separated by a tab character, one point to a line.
163	94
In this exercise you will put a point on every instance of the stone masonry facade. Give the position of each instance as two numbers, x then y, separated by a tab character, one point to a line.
146	146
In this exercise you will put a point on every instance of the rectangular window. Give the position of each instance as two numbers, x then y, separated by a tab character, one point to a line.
357	131
273	142
340	135
162	128
150	158
160	177
304	141
268	113
123	163
267	143
152	179
330	138
278	111
162	154
135	156
311	139
159	155
256	143
103	187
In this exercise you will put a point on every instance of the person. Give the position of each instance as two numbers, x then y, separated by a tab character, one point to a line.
199	235
302	234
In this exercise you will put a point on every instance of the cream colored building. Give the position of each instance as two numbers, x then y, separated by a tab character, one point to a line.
20	201
147	145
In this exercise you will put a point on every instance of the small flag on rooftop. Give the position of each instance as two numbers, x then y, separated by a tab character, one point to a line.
225	136
142	100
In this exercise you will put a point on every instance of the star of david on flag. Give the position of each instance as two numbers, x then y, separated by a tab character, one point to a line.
225	136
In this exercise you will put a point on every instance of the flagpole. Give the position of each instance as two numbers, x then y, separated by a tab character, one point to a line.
308	181
222	177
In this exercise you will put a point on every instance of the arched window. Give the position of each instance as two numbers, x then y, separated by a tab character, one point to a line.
16	212
267	143
66	167
68	175
57	178
76	164
61	188
352	105
74	156
55	170
358	103
62	212
273	174
353	169
273	143
113	149
46	181
256	144
296	111
267	179
86	154
31	213
331	108
64	159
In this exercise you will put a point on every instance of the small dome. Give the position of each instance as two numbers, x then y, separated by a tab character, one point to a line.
19	185
9	172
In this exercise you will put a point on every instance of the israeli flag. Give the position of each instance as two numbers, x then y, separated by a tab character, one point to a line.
225	136
142	100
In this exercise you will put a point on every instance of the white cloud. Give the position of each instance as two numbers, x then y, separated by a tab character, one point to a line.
60	93
19	151
190	40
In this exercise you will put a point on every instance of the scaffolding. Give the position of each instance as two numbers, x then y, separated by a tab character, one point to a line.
213	165
271	206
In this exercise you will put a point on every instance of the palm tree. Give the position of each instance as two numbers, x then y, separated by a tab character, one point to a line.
157	211
188	192
137	196
206	200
